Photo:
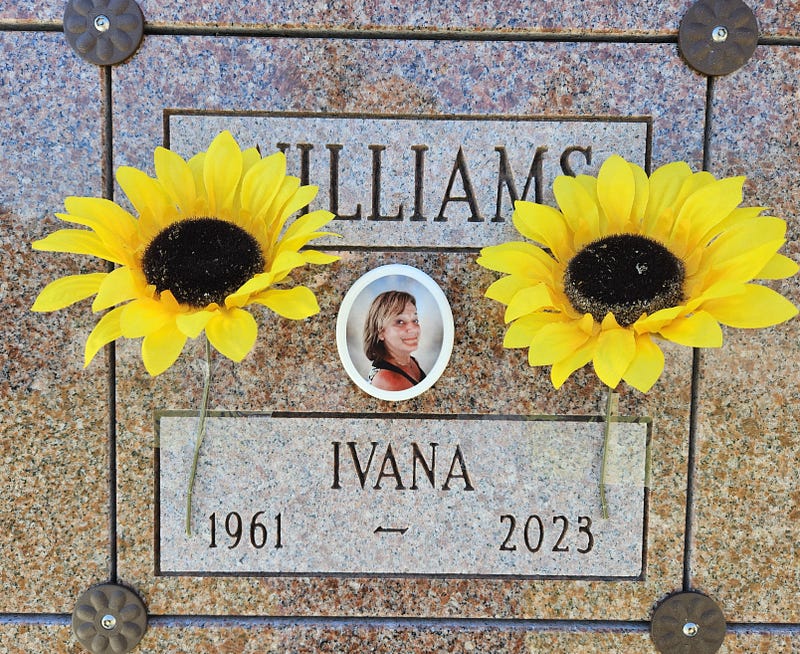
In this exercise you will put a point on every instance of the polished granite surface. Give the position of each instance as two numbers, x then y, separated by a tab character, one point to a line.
74	513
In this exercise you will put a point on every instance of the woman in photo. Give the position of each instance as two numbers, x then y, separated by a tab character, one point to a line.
391	335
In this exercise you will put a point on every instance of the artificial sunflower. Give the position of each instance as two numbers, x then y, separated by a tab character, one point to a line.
630	259
211	239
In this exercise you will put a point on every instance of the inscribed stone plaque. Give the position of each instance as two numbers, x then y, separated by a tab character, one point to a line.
415	181
374	495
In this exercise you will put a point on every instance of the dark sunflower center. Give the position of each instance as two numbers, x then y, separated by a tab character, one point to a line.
201	260
625	274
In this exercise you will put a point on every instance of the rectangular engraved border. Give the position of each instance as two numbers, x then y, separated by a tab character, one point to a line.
158	414
168	113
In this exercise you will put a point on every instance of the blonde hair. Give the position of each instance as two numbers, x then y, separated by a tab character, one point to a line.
386	305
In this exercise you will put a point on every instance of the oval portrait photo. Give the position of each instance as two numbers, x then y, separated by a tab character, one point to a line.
395	332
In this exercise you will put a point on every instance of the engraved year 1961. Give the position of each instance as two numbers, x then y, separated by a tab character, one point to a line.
237	530
563	535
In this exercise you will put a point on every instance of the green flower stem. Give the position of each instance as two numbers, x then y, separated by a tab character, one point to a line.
612	403
201	431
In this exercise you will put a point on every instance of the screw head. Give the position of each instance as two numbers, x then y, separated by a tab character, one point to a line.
108	621
719	34
101	23
690	629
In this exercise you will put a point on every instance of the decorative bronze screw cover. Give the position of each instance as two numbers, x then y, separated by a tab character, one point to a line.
688	623
109	618
103	32
717	37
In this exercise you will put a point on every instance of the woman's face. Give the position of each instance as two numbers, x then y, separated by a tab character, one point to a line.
400	332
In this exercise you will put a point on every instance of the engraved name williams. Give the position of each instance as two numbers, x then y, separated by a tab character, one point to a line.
506	182
377	467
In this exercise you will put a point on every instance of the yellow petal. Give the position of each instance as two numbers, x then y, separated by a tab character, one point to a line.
655	321
294	303
106	330
177	180
758	306
261	183
613	354
62	292
708	206
528	300
745	266
255	284
308	224
616	190
169	303
161	348
107	218
296	243
579	209
778	267
250	157
233	332
118	286
517	258
196	165
301	198
505	288
147	196
318	258
719	289
520	332
734	218
143	316
557	341
193	323
222	171
589	184
665	185
692	184
288	187
75	241
647	365
665	227
698	330
544	225
746	236
285	262
561	370
641	193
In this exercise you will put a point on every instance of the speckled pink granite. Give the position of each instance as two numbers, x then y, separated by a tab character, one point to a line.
206	638
409	77
54	505
749	422
523	18
54	419
482	378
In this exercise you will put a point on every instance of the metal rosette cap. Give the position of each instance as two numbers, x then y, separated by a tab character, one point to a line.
688	623
717	37
103	32
109	618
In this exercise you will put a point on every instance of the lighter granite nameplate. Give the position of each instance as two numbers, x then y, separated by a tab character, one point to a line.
422	181
373	495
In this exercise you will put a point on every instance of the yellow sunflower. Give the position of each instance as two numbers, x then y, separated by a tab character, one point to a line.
629	259
211	238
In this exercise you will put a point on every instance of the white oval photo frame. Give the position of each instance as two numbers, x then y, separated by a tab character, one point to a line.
436	318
